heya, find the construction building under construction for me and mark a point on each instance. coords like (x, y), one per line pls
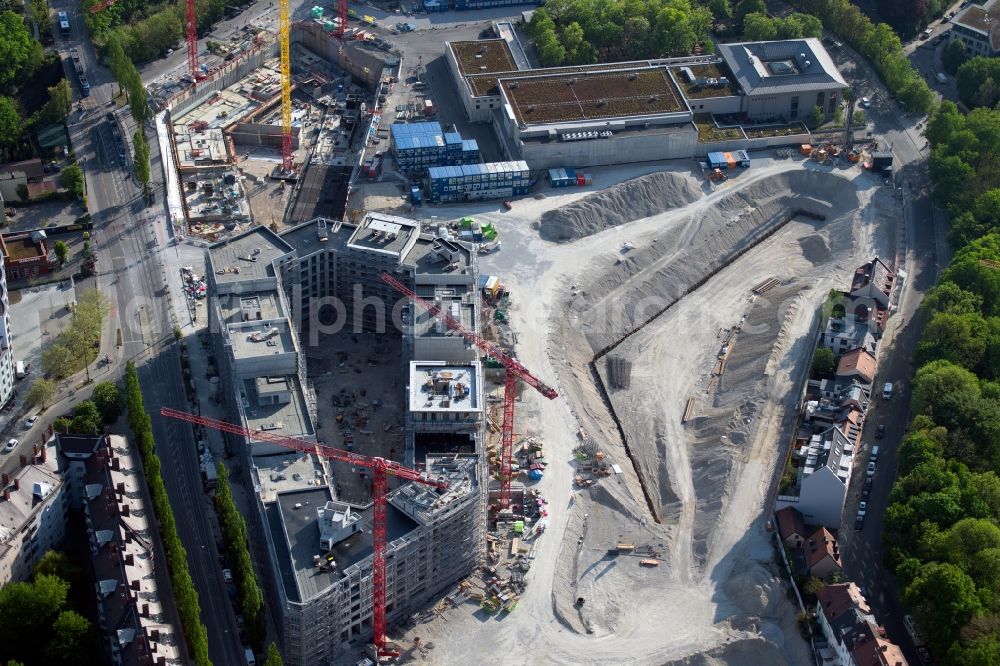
(231, 124)
(267, 296)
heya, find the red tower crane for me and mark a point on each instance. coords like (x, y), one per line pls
(382, 469)
(191, 30)
(342, 15)
(515, 371)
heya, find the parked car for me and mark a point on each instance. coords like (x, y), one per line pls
(868, 484)
(11, 445)
(887, 391)
(871, 469)
(880, 432)
(874, 456)
(865, 102)
(30, 421)
(227, 575)
(859, 522)
(941, 77)
(863, 508)
(864, 494)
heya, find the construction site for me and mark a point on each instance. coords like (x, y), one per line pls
(679, 315)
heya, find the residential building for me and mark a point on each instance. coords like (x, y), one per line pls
(134, 618)
(791, 527)
(843, 334)
(25, 256)
(32, 512)
(978, 26)
(857, 364)
(477, 182)
(871, 292)
(822, 554)
(319, 569)
(824, 459)
(15, 177)
(851, 635)
(6, 351)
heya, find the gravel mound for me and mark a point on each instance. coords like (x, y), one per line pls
(632, 200)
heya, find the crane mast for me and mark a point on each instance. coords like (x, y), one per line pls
(382, 469)
(515, 370)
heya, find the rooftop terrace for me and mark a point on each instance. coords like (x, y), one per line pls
(692, 90)
(294, 527)
(386, 234)
(483, 56)
(251, 341)
(439, 387)
(247, 256)
(609, 94)
(290, 417)
(23, 248)
(489, 83)
(288, 471)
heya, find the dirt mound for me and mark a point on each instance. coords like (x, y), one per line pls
(632, 200)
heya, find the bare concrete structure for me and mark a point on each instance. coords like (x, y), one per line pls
(271, 295)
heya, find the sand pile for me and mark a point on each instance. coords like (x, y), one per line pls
(632, 200)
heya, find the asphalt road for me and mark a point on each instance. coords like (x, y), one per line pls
(129, 239)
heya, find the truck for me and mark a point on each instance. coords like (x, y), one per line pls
(74, 54)
(429, 109)
(64, 29)
(19, 370)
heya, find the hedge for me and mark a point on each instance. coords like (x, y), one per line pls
(184, 593)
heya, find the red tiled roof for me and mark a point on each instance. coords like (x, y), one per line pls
(790, 523)
(857, 361)
(820, 545)
(878, 652)
(835, 600)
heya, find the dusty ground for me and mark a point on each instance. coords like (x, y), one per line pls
(717, 597)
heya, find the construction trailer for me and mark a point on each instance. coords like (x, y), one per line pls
(729, 160)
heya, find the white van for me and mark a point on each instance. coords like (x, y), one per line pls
(887, 391)
(251, 659)
(874, 456)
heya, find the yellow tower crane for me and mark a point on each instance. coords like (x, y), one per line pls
(286, 87)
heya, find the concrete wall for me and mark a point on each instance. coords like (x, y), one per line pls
(706, 147)
(718, 105)
(227, 75)
(364, 65)
(674, 143)
(259, 134)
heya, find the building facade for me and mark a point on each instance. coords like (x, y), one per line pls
(6, 348)
(32, 512)
(25, 256)
(319, 546)
(978, 26)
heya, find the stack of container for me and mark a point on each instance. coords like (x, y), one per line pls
(562, 177)
(728, 160)
(476, 182)
(417, 146)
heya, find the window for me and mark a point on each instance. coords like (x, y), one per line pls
(820, 99)
(794, 112)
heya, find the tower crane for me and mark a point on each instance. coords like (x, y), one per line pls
(382, 469)
(515, 371)
(286, 86)
(191, 31)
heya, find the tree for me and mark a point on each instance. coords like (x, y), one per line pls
(86, 418)
(109, 400)
(944, 598)
(273, 656)
(954, 55)
(57, 109)
(823, 362)
(943, 390)
(815, 117)
(19, 52)
(959, 338)
(41, 393)
(759, 27)
(61, 250)
(858, 119)
(69, 641)
(57, 360)
(721, 9)
(10, 123)
(949, 297)
(27, 613)
(72, 179)
(63, 425)
(141, 156)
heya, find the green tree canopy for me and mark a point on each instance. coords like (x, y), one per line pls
(109, 401)
(954, 601)
(10, 122)
(41, 393)
(823, 362)
(86, 418)
(958, 338)
(942, 390)
(72, 179)
(954, 55)
(273, 656)
(19, 52)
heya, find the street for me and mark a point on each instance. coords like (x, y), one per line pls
(130, 239)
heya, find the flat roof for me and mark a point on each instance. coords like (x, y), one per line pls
(22, 248)
(982, 20)
(386, 234)
(431, 256)
(693, 90)
(440, 387)
(305, 238)
(458, 471)
(250, 253)
(295, 531)
(452, 300)
(245, 307)
(251, 340)
(483, 85)
(788, 66)
(288, 471)
(288, 418)
(588, 96)
(483, 56)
